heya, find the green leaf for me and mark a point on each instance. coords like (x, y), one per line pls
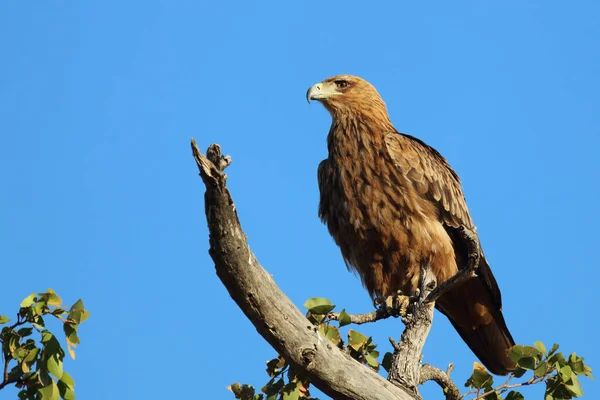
(53, 298)
(356, 339)
(31, 355)
(67, 380)
(322, 309)
(38, 322)
(40, 307)
(344, 318)
(565, 373)
(557, 389)
(316, 302)
(55, 366)
(493, 395)
(386, 363)
(77, 312)
(372, 359)
(331, 332)
(553, 349)
(314, 318)
(273, 387)
(241, 391)
(50, 392)
(51, 344)
(13, 343)
(558, 360)
(66, 391)
(526, 363)
(291, 392)
(541, 369)
(519, 372)
(578, 367)
(24, 332)
(275, 366)
(480, 378)
(541, 347)
(514, 395)
(235, 388)
(575, 387)
(29, 300)
(518, 351)
(4, 319)
(29, 359)
(71, 333)
(59, 312)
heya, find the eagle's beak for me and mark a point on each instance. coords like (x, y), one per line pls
(321, 91)
(313, 92)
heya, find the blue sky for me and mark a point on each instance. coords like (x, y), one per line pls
(101, 198)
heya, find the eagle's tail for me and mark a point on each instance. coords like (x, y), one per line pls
(480, 323)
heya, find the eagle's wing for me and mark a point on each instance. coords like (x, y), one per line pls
(431, 177)
(434, 179)
(474, 306)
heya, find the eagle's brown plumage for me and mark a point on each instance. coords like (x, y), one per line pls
(393, 204)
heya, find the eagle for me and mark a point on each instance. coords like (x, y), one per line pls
(394, 205)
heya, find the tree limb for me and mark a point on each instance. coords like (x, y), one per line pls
(359, 319)
(430, 373)
(272, 313)
(405, 367)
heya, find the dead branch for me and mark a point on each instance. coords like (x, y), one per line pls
(406, 359)
(273, 314)
(430, 373)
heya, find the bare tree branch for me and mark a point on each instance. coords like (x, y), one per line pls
(430, 373)
(359, 319)
(275, 317)
(406, 360)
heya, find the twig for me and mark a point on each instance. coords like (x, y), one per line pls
(505, 386)
(359, 319)
(430, 373)
(5, 375)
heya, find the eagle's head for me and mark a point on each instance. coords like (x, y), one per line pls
(348, 95)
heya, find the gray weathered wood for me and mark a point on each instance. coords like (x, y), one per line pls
(273, 314)
(406, 360)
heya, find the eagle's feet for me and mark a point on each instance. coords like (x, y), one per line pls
(395, 305)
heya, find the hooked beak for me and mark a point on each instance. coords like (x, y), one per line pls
(313, 92)
(321, 91)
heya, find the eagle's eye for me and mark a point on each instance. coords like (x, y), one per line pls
(341, 84)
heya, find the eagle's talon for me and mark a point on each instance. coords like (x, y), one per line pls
(395, 305)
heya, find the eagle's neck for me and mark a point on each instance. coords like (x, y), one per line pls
(350, 135)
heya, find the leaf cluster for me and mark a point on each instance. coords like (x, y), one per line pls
(358, 346)
(287, 384)
(559, 373)
(36, 366)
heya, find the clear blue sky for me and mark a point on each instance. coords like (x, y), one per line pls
(101, 198)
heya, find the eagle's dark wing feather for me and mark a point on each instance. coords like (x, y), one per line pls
(436, 181)
(474, 308)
